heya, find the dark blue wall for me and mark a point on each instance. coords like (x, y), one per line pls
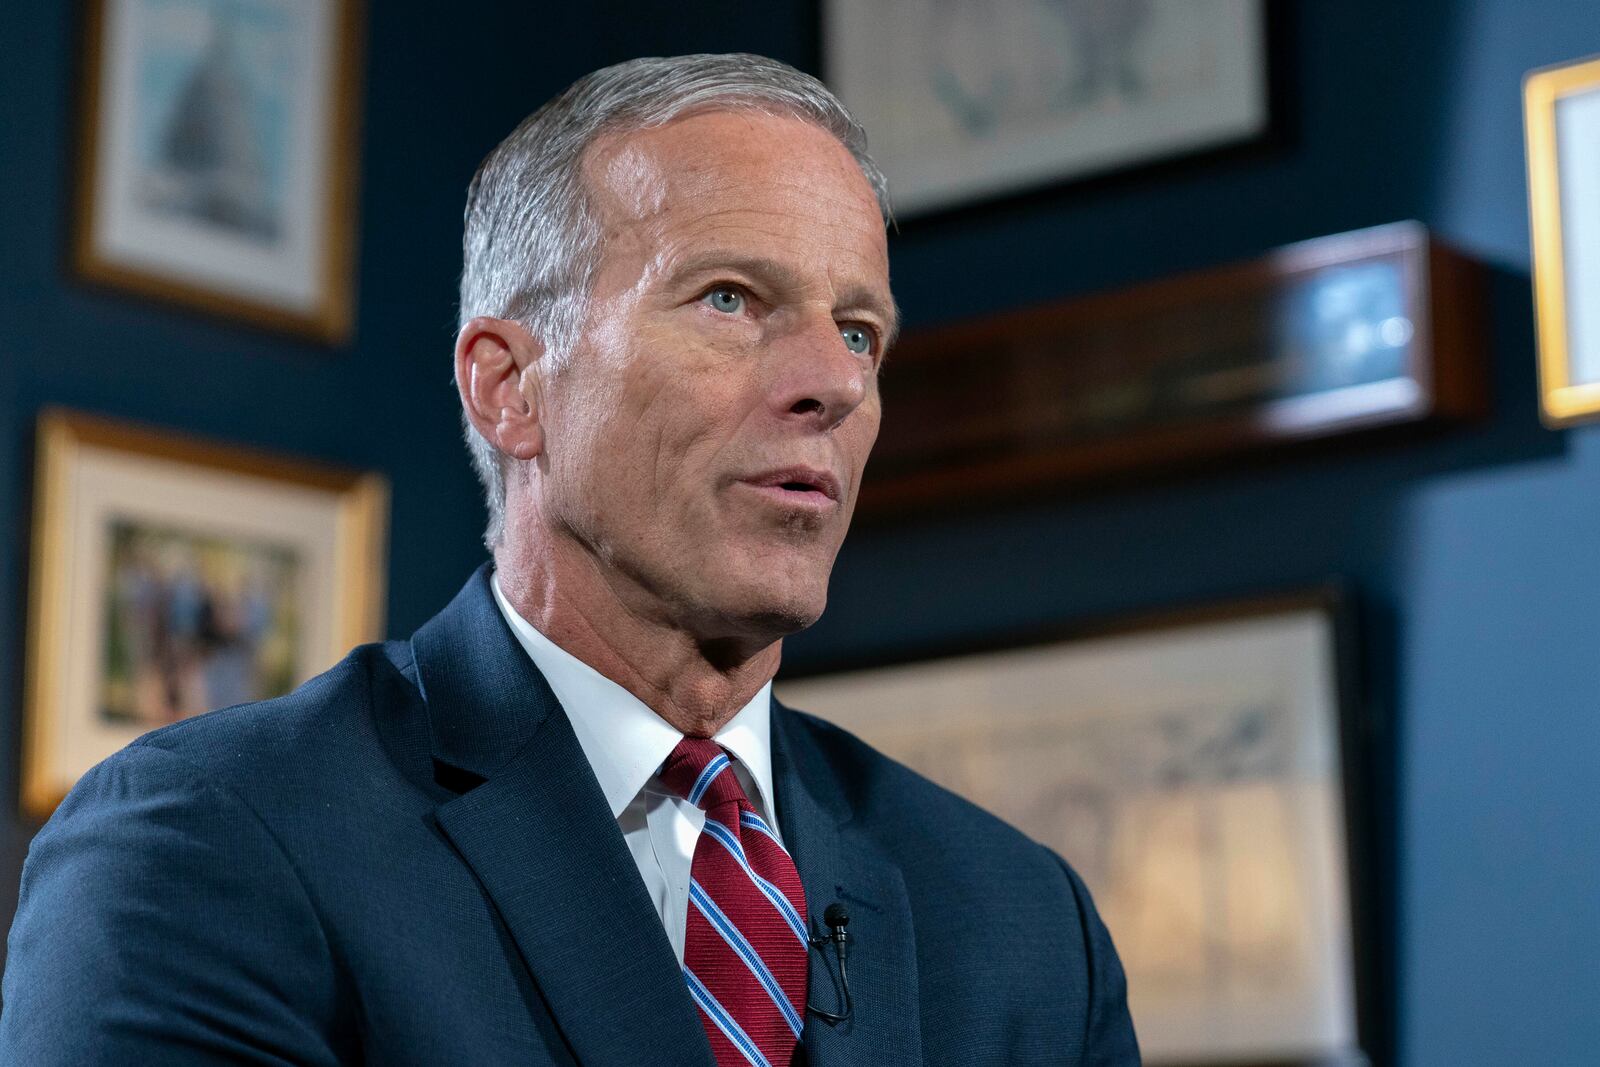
(1476, 555)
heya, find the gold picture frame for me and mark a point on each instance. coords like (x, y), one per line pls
(1557, 102)
(171, 575)
(218, 158)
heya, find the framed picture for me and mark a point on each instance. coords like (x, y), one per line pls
(1198, 771)
(172, 576)
(1352, 333)
(965, 99)
(217, 157)
(1562, 116)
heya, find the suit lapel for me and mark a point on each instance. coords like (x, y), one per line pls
(837, 863)
(540, 838)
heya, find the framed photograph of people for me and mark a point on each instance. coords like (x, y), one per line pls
(1562, 118)
(1198, 771)
(172, 576)
(969, 100)
(217, 158)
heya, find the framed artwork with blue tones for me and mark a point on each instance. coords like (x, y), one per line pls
(172, 576)
(217, 157)
(1562, 120)
(967, 99)
(1203, 771)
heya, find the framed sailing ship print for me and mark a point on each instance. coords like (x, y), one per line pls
(217, 157)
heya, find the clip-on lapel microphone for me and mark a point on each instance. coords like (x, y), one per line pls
(835, 917)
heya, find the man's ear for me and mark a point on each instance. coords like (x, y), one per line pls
(498, 373)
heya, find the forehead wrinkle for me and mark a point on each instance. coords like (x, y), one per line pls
(728, 232)
(800, 219)
(706, 185)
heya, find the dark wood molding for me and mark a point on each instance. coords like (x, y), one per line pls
(1183, 372)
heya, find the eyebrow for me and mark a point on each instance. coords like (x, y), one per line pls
(781, 276)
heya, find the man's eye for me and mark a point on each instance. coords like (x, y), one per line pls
(857, 339)
(725, 298)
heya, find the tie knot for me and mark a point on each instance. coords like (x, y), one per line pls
(701, 772)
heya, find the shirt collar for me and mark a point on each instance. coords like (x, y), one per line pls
(624, 740)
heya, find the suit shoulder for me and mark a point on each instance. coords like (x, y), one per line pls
(329, 714)
(903, 806)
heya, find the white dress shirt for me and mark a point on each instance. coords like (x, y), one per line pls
(626, 743)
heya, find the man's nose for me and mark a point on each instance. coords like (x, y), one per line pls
(816, 379)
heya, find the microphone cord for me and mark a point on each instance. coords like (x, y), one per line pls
(836, 917)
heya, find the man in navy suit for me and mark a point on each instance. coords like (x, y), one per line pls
(516, 837)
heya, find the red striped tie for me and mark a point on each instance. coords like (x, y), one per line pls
(745, 948)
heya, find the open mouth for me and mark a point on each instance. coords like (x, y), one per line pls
(798, 486)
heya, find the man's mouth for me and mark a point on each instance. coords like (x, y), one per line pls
(797, 486)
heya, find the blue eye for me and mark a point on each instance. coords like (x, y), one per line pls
(857, 339)
(726, 299)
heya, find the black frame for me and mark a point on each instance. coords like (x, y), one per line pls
(1277, 133)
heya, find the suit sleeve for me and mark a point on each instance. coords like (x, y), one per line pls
(160, 922)
(1109, 1040)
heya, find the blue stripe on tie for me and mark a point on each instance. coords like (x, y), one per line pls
(772, 892)
(752, 820)
(719, 1015)
(745, 951)
(707, 776)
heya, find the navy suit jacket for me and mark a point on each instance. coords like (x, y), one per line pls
(409, 861)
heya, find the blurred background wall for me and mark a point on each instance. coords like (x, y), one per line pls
(1475, 554)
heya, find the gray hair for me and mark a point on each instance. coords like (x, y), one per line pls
(532, 242)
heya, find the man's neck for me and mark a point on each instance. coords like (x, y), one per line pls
(695, 685)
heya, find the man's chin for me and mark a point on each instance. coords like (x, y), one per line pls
(770, 612)
(766, 589)
(784, 620)
(732, 634)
